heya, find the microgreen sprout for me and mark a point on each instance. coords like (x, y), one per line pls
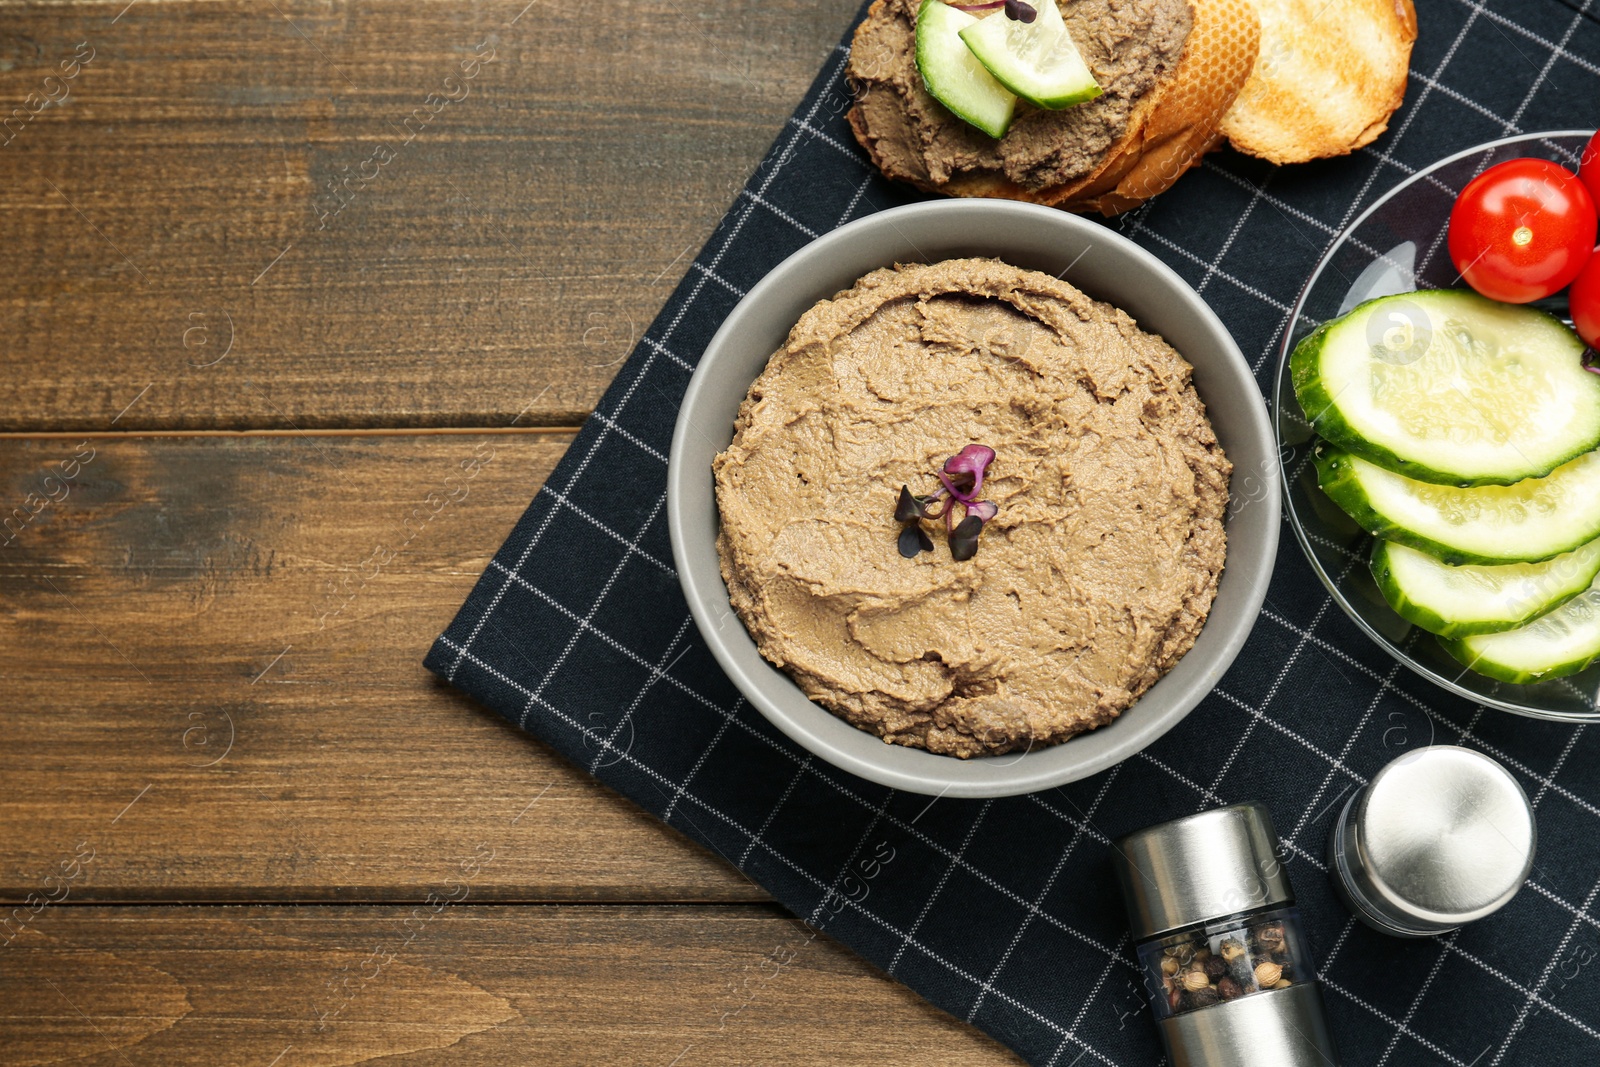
(1018, 11)
(960, 481)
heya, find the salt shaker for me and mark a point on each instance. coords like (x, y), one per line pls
(1439, 838)
(1232, 982)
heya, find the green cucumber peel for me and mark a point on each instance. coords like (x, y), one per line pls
(1500, 390)
(1469, 600)
(1531, 521)
(1037, 60)
(953, 75)
(1555, 645)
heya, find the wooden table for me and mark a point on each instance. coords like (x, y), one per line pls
(275, 270)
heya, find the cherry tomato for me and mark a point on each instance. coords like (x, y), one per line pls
(1585, 302)
(1589, 169)
(1522, 230)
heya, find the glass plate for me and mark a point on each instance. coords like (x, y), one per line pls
(1398, 246)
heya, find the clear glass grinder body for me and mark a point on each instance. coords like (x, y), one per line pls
(1216, 962)
(1231, 978)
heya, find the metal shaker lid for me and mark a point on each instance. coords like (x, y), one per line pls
(1207, 866)
(1438, 838)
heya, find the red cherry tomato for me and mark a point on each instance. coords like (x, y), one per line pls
(1589, 169)
(1585, 302)
(1522, 230)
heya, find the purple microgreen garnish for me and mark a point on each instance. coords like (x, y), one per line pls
(984, 510)
(964, 538)
(950, 487)
(972, 461)
(960, 479)
(1591, 361)
(907, 509)
(913, 540)
(1018, 11)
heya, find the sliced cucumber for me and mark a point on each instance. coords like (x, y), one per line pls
(1552, 646)
(1475, 599)
(1533, 520)
(1445, 386)
(1036, 60)
(953, 74)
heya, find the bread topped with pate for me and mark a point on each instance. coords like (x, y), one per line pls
(1176, 79)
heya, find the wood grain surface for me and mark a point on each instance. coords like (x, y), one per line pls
(541, 175)
(457, 983)
(206, 617)
(239, 823)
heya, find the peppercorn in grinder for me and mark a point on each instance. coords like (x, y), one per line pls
(1230, 977)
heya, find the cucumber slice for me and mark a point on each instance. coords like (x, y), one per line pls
(1036, 60)
(1523, 523)
(1445, 386)
(1462, 601)
(1552, 646)
(953, 74)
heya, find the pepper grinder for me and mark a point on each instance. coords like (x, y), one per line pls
(1231, 980)
(1439, 838)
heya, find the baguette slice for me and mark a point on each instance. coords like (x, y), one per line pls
(1329, 77)
(1185, 123)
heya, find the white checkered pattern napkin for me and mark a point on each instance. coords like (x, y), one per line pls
(1005, 912)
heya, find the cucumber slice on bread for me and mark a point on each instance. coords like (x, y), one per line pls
(953, 74)
(1524, 523)
(1036, 60)
(1476, 599)
(1445, 386)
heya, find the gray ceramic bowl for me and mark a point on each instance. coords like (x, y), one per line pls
(1103, 264)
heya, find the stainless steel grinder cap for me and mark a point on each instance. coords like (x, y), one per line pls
(1439, 838)
(1207, 866)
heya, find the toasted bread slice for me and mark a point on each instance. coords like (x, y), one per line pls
(1329, 77)
(1183, 126)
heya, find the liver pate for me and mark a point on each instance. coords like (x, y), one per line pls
(1130, 45)
(1091, 582)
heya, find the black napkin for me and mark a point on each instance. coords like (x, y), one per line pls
(1005, 912)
